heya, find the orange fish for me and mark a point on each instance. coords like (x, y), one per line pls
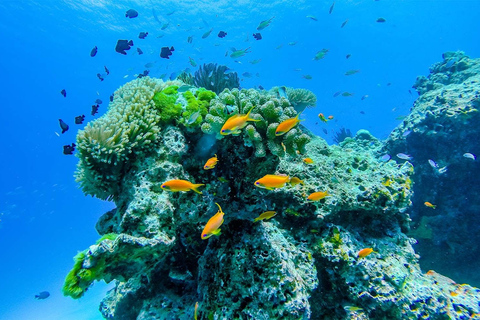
(265, 216)
(196, 310)
(365, 252)
(272, 181)
(180, 185)
(428, 204)
(308, 160)
(318, 196)
(210, 164)
(213, 225)
(287, 125)
(235, 123)
(330, 117)
(294, 181)
(453, 293)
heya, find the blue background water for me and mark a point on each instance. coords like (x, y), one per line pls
(44, 217)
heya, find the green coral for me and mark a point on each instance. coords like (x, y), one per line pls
(79, 279)
(268, 109)
(165, 101)
(196, 103)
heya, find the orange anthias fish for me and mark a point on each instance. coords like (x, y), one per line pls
(181, 185)
(318, 195)
(287, 125)
(272, 181)
(196, 310)
(265, 216)
(211, 163)
(428, 204)
(213, 225)
(365, 252)
(322, 117)
(294, 181)
(308, 160)
(235, 123)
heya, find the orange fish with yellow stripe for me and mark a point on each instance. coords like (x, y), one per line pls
(211, 163)
(213, 225)
(316, 196)
(272, 181)
(235, 123)
(181, 185)
(365, 252)
(287, 125)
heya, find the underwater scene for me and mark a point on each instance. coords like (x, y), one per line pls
(240, 159)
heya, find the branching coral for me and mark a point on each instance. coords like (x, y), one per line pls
(268, 109)
(213, 77)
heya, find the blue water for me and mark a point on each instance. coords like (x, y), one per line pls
(44, 217)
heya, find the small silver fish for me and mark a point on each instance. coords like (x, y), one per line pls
(432, 163)
(470, 156)
(385, 157)
(442, 170)
(193, 117)
(406, 133)
(404, 156)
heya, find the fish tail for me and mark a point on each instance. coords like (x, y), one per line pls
(248, 115)
(195, 186)
(219, 208)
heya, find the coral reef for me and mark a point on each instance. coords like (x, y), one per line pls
(301, 264)
(442, 127)
(214, 77)
(342, 134)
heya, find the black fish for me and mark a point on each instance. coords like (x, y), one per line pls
(93, 53)
(106, 70)
(257, 36)
(325, 131)
(44, 294)
(344, 23)
(68, 149)
(63, 125)
(95, 109)
(143, 35)
(222, 34)
(144, 74)
(64, 93)
(98, 101)
(99, 76)
(166, 52)
(261, 87)
(131, 13)
(111, 97)
(348, 56)
(381, 20)
(123, 45)
(331, 7)
(139, 51)
(79, 119)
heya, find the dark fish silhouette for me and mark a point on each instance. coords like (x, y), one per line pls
(68, 149)
(111, 97)
(63, 125)
(190, 39)
(166, 52)
(98, 101)
(123, 45)
(139, 51)
(260, 87)
(257, 36)
(331, 7)
(106, 70)
(131, 13)
(93, 53)
(95, 109)
(64, 93)
(144, 74)
(79, 119)
(222, 34)
(348, 56)
(44, 294)
(381, 20)
(99, 76)
(344, 23)
(143, 35)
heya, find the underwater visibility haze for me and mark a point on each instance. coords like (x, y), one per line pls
(240, 159)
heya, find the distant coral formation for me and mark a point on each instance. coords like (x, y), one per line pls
(215, 78)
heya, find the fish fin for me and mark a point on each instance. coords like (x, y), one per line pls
(216, 232)
(195, 186)
(256, 219)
